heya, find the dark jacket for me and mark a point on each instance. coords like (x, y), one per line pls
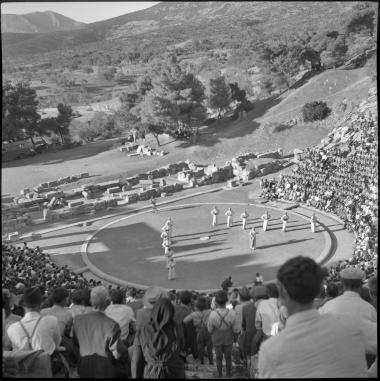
(146, 364)
(248, 327)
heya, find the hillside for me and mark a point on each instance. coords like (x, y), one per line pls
(216, 144)
(169, 23)
(38, 22)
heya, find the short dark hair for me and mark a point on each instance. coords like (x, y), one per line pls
(185, 297)
(77, 297)
(354, 284)
(272, 290)
(221, 297)
(201, 303)
(117, 296)
(302, 279)
(59, 295)
(332, 290)
(86, 295)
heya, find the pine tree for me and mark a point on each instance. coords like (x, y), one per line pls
(220, 95)
(20, 117)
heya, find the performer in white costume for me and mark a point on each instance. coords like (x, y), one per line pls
(171, 267)
(252, 238)
(284, 219)
(265, 217)
(229, 215)
(244, 217)
(214, 214)
(313, 220)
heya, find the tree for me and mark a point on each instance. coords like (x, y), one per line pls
(175, 103)
(220, 94)
(315, 111)
(362, 20)
(20, 117)
(64, 118)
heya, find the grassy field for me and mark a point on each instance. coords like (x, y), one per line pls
(217, 144)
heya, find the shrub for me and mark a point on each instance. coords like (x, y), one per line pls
(315, 111)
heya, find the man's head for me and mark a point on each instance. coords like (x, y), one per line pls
(77, 297)
(201, 303)
(352, 279)
(244, 295)
(272, 290)
(300, 281)
(99, 298)
(117, 296)
(332, 290)
(32, 298)
(221, 298)
(59, 296)
(185, 297)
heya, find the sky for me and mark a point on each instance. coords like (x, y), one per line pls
(86, 12)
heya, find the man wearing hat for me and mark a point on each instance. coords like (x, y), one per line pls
(152, 294)
(350, 302)
(34, 331)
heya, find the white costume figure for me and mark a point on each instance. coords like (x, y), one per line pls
(166, 246)
(164, 235)
(171, 267)
(244, 217)
(252, 238)
(265, 217)
(168, 256)
(284, 220)
(166, 229)
(229, 215)
(154, 206)
(169, 224)
(214, 214)
(313, 220)
(85, 195)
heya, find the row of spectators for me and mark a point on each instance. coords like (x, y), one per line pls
(343, 182)
(300, 326)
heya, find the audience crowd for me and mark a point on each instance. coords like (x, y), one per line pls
(342, 179)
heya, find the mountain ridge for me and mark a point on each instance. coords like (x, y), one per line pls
(177, 19)
(38, 22)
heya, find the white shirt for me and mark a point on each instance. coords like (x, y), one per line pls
(352, 304)
(314, 346)
(123, 315)
(46, 337)
(267, 314)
